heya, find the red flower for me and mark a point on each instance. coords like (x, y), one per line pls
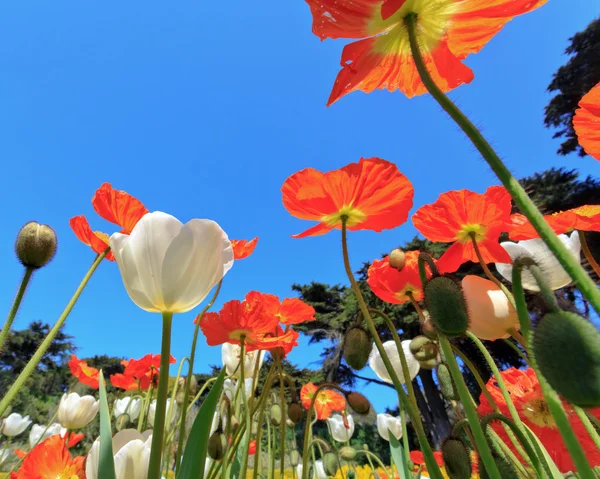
(51, 460)
(139, 373)
(286, 340)
(448, 32)
(372, 194)
(327, 401)
(525, 391)
(289, 311)
(586, 122)
(394, 286)
(583, 218)
(252, 448)
(456, 215)
(84, 373)
(128, 383)
(243, 248)
(96, 240)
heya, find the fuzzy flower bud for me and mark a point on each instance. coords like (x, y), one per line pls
(397, 259)
(457, 459)
(357, 347)
(447, 306)
(35, 245)
(359, 403)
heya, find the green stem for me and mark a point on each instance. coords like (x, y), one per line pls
(589, 427)
(248, 420)
(283, 420)
(43, 348)
(482, 446)
(161, 399)
(585, 284)
(188, 379)
(374, 456)
(15, 306)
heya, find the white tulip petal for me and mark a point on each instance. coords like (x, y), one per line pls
(377, 365)
(338, 428)
(386, 423)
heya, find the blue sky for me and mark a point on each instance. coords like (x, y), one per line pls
(202, 112)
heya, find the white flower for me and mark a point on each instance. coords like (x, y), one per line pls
(536, 249)
(230, 389)
(131, 451)
(120, 407)
(387, 422)
(38, 433)
(14, 424)
(378, 367)
(152, 411)
(230, 354)
(75, 411)
(318, 470)
(341, 431)
(167, 266)
(4, 455)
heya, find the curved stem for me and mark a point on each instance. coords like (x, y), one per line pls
(283, 419)
(161, 399)
(374, 456)
(39, 354)
(585, 284)
(588, 254)
(589, 427)
(15, 306)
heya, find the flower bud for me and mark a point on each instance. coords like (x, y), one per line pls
(277, 353)
(35, 245)
(350, 474)
(567, 351)
(507, 471)
(234, 424)
(295, 412)
(457, 459)
(447, 387)
(122, 422)
(217, 445)
(330, 463)
(276, 414)
(181, 389)
(447, 306)
(423, 348)
(289, 423)
(294, 457)
(357, 347)
(397, 259)
(348, 453)
(359, 403)
(430, 363)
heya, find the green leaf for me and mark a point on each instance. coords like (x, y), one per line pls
(194, 456)
(106, 467)
(545, 459)
(398, 457)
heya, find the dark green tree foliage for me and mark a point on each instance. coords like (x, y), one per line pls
(572, 81)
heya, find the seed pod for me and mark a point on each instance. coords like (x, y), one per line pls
(36, 245)
(122, 422)
(294, 457)
(423, 348)
(357, 347)
(359, 403)
(330, 463)
(447, 306)
(276, 414)
(447, 387)
(217, 445)
(430, 363)
(457, 459)
(295, 412)
(507, 471)
(567, 350)
(348, 453)
(397, 259)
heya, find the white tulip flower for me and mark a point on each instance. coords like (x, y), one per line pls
(4, 455)
(39, 432)
(120, 407)
(152, 411)
(537, 250)
(131, 451)
(341, 430)
(168, 266)
(386, 423)
(14, 424)
(230, 389)
(318, 470)
(230, 354)
(76, 412)
(378, 367)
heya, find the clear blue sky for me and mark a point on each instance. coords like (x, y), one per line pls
(201, 110)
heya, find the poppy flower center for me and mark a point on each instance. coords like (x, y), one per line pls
(239, 334)
(588, 210)
(538, 413)
(102, 236)
(468, 230)
(409, 288)
(353, 216)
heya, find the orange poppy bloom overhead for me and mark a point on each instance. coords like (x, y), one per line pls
(96, 240)
(243, 248)
(128, 383)
(372, 194)
(139, 373)
(289, 311)
(459, 216)
(586, 122)
(286, 340)
(583, 218)
(51, 459)
(449, 30)
(84, 373)
(395, 286)
(327, 402)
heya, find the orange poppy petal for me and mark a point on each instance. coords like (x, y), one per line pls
(51, 459)
(393, 286)
(586, 122)
(97, 241)
(460, 253)
(84, 373)
(121, 381)
(243, 248)
(295, 311)
(118, 207)
(334, 19)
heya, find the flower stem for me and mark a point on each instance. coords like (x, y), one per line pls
(15, 306)
(161, 399)
(283, 420)
(39, 354)
(588, 254)
(522, 200)
(248, 419)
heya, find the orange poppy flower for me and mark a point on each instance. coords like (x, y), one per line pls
(449, 31)
(586, 122)
(327, 402)
(583, 218)
(394, 286)
(285, 341)
(96, 240)
(456, 215)
(139, 373)
(526, 394)
(372, 194)
(85, 374)
(289, 311)
(121, 381)
(51, 460)
(252, 448)
(243, 248)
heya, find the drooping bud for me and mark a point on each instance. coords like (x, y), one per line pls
(294, 457)
(217, 445)
(289, 423)
(457, 459)
(423, 348)
(350, 474)
(348, 453)
(506, 469)
(277, 353)
(447, 387)
(430, 363)
(181, 389)
(122, 422)
(359, 403)
(35, 245)
(567, 350)
(295, 412)
(428, 327)
(234, 424)
(330, 463)
(397, 259)
(447, 306)
(357, 347)
(276, 414)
